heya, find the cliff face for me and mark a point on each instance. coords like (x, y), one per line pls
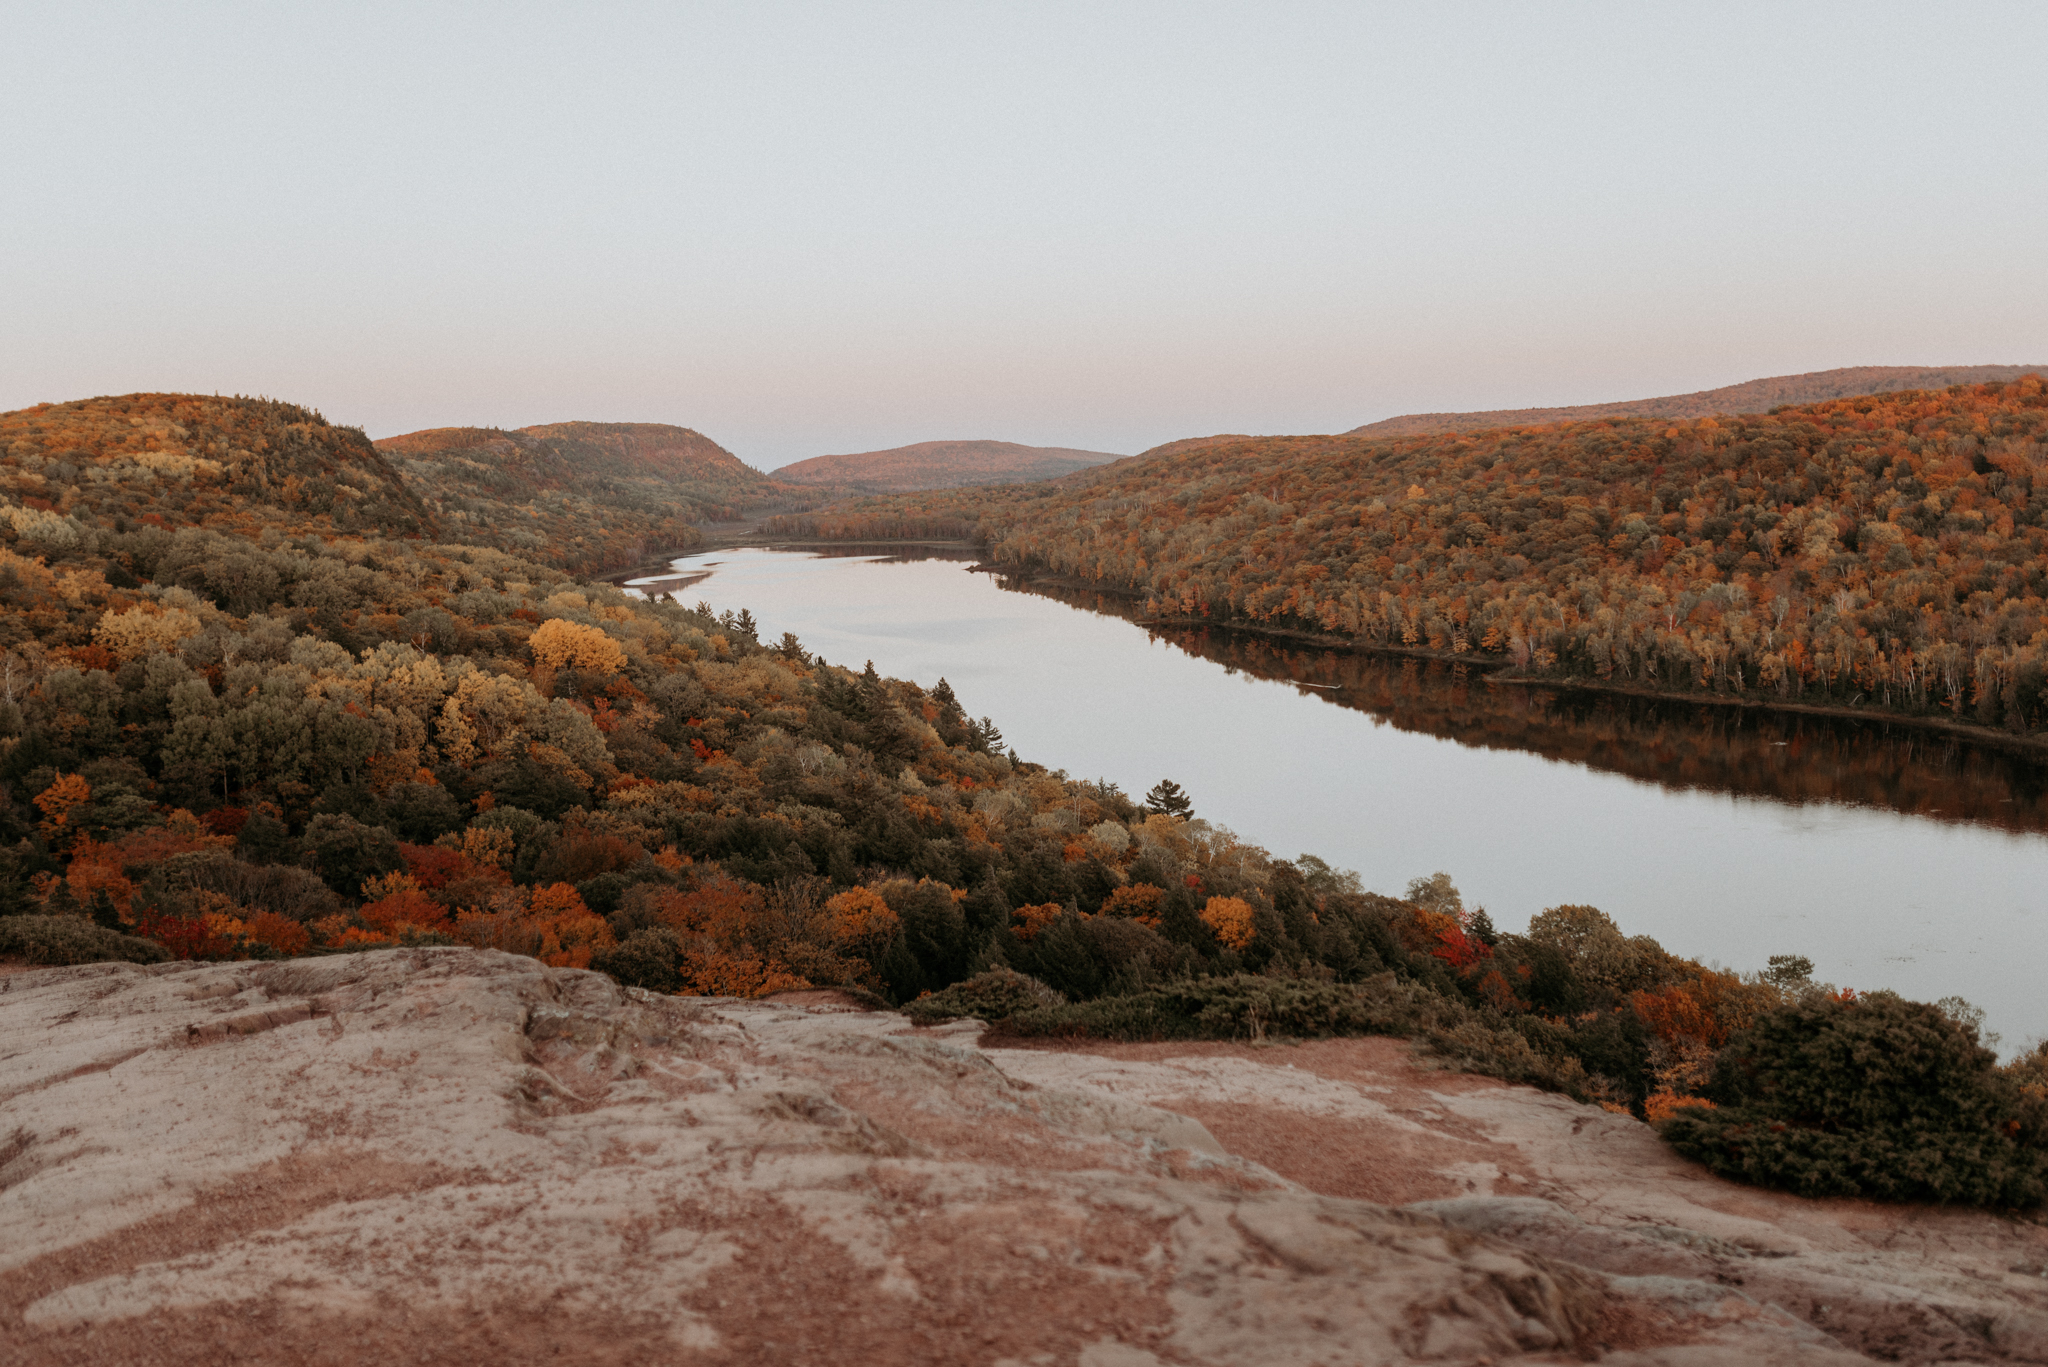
(454, 1156)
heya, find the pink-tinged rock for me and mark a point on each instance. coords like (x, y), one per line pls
(447, 1156)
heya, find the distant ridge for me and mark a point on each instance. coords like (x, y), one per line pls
(943, 465)
(619, 450)
(588, 496)
(1752, 396)
(1174, 448)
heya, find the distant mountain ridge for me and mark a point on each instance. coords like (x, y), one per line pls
(1752, 396)
(943, 465)
(1174, 448)
(617, 450)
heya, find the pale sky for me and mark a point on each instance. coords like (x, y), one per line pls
(819, 228)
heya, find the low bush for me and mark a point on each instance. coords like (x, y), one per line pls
(1876, 1097)
(646, 958)
(1250, 1007)
(73, 940)
(998, 994)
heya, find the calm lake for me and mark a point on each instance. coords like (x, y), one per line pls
(1890, 856)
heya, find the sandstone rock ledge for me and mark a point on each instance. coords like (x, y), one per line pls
(445, 1156)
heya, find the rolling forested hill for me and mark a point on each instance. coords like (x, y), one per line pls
(162, 460)
(585, 496)
(1752, 396)
(254, 705)
(1885, 551)
(942, 465)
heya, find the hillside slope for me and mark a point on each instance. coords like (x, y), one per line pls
(1174, 448)
(942, 465)
(1752, 396)
(237, 465)
(586, 496)
(1887, 551)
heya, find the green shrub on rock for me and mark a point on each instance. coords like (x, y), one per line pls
(992, 996)
(646, 958)
(1248, 1006)
(1874, 1096)
(57, 940)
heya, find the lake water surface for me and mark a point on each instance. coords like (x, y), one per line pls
(1891, 858)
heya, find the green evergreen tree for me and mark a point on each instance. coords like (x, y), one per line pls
(1167, 799)
(15, 899)
(61, 902)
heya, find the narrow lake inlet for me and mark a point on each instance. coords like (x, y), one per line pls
(1891, 856)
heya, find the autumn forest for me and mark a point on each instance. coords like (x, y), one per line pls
(1882, 552)
(268, 690)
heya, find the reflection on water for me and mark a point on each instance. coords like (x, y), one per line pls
(1787, 757)
(1893, 857)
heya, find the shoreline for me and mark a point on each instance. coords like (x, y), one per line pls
(736, 542)
(1502, 673)
(1492, 671)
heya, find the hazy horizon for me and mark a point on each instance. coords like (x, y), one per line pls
(810, 229)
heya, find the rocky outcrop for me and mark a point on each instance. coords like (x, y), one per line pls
(451, 1156)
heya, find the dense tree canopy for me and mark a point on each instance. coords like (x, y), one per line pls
(1884, 551)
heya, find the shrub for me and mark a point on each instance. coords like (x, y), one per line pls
(646, 958)
(72, 940)
(991, 996)
(349, 853)
(1208, 1008)
(1876, 1097)
(1247, 1006)
(1089, 956)
(285, 889)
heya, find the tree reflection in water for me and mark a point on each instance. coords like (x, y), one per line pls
(1784, 756)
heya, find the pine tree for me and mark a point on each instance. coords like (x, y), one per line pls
(60, 902)
(1167, 799)
(14, 893)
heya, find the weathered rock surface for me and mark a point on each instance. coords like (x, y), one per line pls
(450, 1156)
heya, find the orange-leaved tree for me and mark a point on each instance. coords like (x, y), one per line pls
(394, 906)
(58, 801)
(551, 924)
(860, 920)
(1028, 921)
(1232, 920)
(1141, 902)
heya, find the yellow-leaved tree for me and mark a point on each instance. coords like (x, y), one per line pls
(143, 631)
(558, 643)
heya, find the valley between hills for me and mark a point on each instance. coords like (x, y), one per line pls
(498, 909)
